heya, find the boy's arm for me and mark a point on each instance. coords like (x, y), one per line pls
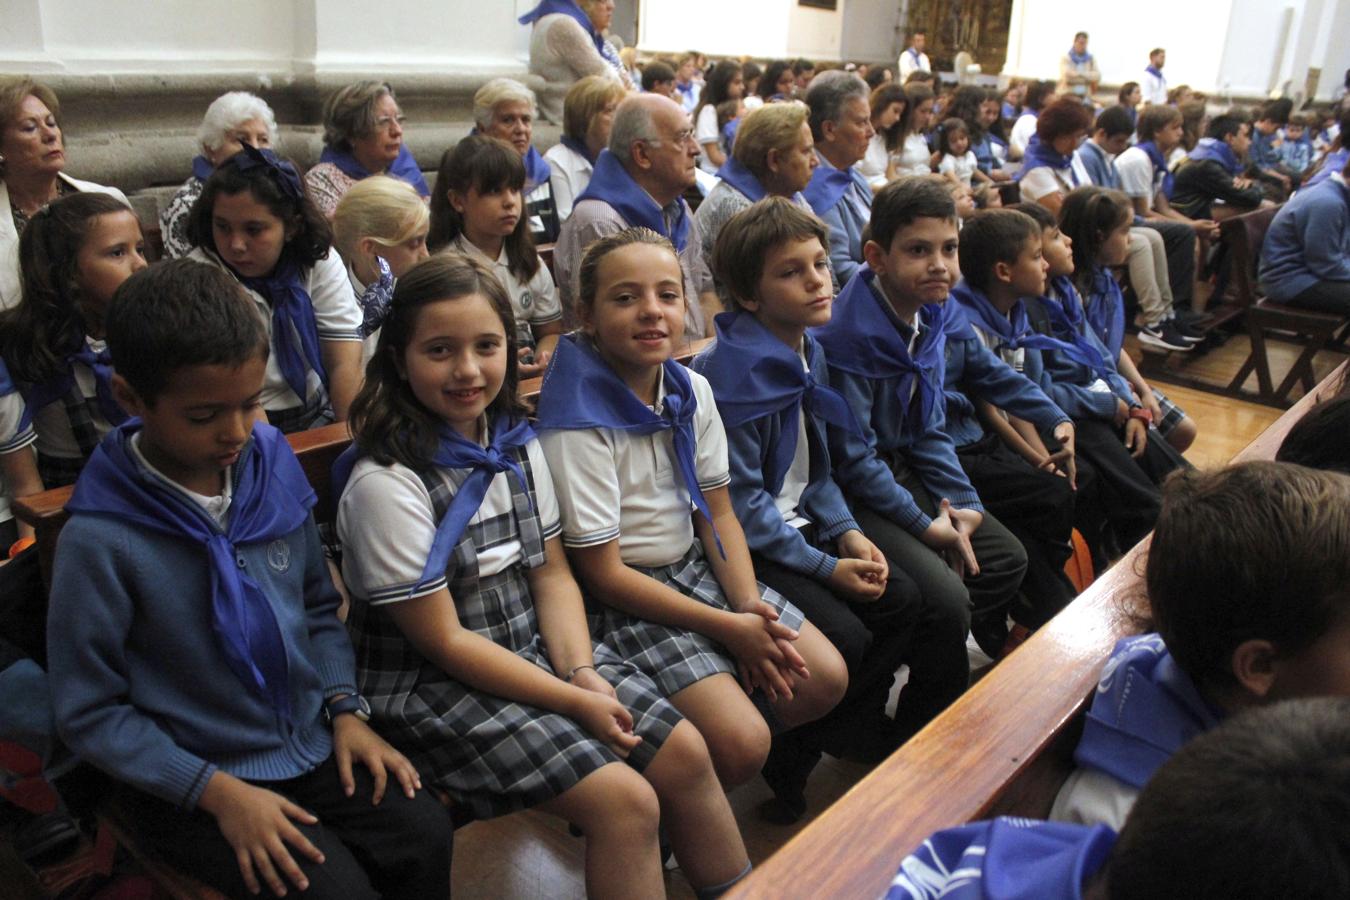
(994, 380)
(333, 656)
(1015, 438)
(1323, 239)
(933, 456)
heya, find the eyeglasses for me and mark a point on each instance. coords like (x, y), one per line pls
(683, 136)
(383, 122)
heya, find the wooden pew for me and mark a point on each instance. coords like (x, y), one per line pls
(1004, 748)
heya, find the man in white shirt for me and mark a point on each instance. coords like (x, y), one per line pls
(914, 59)
(1153, 84)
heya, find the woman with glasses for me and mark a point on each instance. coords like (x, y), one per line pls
(362, 136)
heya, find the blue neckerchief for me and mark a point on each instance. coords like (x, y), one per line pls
(37, 396)
(271, 499)
(1220, 152)
(580, 390)
(1040, 154)
(577, 147)
(754, 375)
(454, 451)
(611, 183)
(1077, 59)
(375, 299)
(1004, 859)
(1105, 308)
(1068, 324)
(915, 55)
(1144, 710)
(862, 339)
(295, 331)
(826, 188)
(1159, 164)
(404, 167)
(567, 8)
(686, 89)
(202, 168)
(729, 134)
(742, 179)
(1155, 72)
(1333, 162)
(1014, 331)
(1008, 111)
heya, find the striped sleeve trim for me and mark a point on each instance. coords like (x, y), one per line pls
(546, 320)
(591, 539)
(553, 530)
(334, 335)
(720, 481)
(20, 440)
(396, 593)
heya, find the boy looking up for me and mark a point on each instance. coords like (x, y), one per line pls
(201, 661)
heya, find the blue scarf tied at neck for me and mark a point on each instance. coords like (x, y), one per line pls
(826, 188)
(611, 183)
(580, 390)
(755, 375)
(295, 331)
(1218, 151)
(1014, 331)
(404, 167)
(100, 364)
(202, 168)
(742, 179)
(570, 9)
(271, 499)
(1039, 153)
(1105, 308)
(1159, 165)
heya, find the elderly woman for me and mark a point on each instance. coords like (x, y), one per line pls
(588, 115)
(231, 121)
(32, 157)
(568, 43)
(773, 155)
(505, 109)
(362, 136)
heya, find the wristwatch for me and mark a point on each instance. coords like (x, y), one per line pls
(1142, 412)
(350, 703)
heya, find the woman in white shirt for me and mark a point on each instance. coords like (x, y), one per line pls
(916, 157)
(588, 115)
(888, 103)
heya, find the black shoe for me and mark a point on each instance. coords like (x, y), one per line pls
(785, 772)
(1188, 331)
(1164, 336)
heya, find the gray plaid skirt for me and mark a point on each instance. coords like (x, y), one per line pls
(315, 413)
(492, 754)
(673, 657)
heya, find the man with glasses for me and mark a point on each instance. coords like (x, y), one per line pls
(640, 180)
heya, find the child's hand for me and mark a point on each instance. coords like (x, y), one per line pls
(951, 540)
(1136, 437)
(607, 720)
(756, 639)
(858, 579)
(1122, 413)
(1150, 403)
(1064, 459)
(853, 544)
(257, 824)
(355, 740)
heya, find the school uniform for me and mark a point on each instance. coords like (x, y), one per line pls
(1004, 858)
(633, 473)
(1023, 130)
(300, 308)
(1305, 260)
(72, 412)
(874, 162)
(201, 636)
(374, 300)
(1206, 177)
(493, 754)
(842, 199)
(15, 436)
(1038, 506)
(1153, 86)
(1145, 709)
(903, 463)
(912, 61)
(706, 131)
(915, 157)
(1045, 172)
(963, 166)
(1143, 174)
(534, 303)
(776, 406)
(571, 166)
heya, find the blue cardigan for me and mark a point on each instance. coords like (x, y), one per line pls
(975, 371)
(766, 531)
(1066, 381)
(1308, 242)
(846, 222)
(140, 686)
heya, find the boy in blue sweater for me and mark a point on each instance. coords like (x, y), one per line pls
(1305, 260)
(886, 343)
(199, 659)
(772, 388)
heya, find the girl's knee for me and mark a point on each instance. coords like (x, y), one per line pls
(682, 763)
(738, 747)
(628, 803)
(1183, 435)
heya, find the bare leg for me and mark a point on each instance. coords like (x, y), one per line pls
(736, 734)
(815, 696)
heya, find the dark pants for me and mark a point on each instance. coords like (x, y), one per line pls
(1038, 507)
(399, 849)
(989, 595)
(1325, 296)
(1179, 243)
(1128, 487)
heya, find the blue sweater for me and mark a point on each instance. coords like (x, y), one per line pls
(140, 686)
(1101, 168)
(766, 531)
(1067, 382)
(1308, 242)
(1263, 152)
(862, 463)
(975, 371)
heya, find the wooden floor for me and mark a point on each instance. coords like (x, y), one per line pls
(531, 855)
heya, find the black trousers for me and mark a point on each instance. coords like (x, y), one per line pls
(1038, 507)
(1127, 487)
(1325, 296)
(1179, 243)
(399, 849)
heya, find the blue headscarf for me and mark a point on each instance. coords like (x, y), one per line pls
(1013, 330)
(1105, 308)
(611, 183)
(1039, 154)
(863, 340)
(580, 390)
(1220, 152)
(454, 451)
(404, 167)
(755, 375)
(1159, 164)
(271, 499)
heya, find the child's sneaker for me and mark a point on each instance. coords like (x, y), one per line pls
(1164, 336)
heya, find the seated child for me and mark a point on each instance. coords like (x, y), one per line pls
(254, 220)
(639, 457)
(476, 210)
(1246, 580)
(1252, 810)
(470, 635)
(18, 467)
(886, 341)
(201, 661)
(1213, 172)
(993, 367)
(772, 386)
(1111, 422)
(958, 160)
(380, 228)
(73, 255)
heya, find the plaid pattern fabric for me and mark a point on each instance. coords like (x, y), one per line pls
(59, 471)
(492, 754)
(315, 413)
(1171, 413)
(673, 657)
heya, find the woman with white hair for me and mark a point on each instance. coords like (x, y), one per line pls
(232, 120)
(568, 43)
(505, 109)
(362, 136)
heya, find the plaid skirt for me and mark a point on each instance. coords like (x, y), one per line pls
(492, 754)
(673, 657)
(315, 413)
(59, 471)
(1171, 413)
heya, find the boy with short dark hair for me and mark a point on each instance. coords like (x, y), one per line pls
(658, 77)
(1296, 153)
(200, 659)
(772, 387)
(886, 342)
(1267, 163)
(1213, 171)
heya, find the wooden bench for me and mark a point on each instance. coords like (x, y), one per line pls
(1003, 748)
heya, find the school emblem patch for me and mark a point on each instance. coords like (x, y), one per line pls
(279, 555)
(526, 299)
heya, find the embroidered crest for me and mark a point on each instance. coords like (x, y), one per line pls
(279, 555)
(526, 299)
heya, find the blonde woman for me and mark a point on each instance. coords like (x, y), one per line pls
(588, 116)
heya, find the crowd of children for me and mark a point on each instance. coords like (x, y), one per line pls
(667, 579)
